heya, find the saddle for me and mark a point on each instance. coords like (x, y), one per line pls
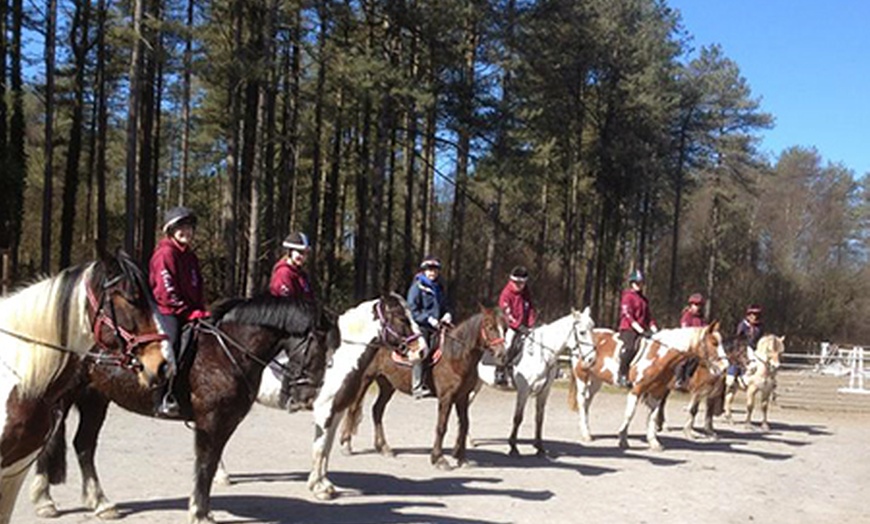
(401, 359)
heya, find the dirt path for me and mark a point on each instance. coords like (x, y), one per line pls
(811, 467)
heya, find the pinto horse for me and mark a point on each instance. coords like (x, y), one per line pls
(454, 376)
(101, 313)
(651, 372)
(761, 379)
(232, 350)
(534, 374)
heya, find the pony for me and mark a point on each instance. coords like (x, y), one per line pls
(242, 337)
(454, 376)
(538, 366)
(703, 386)
(651, 372)
(760, 378)
(99, 314)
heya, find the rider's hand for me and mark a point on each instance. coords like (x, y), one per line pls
(198, 314)
(447, 318)
(524, 330)
(647, 333)
(432, 322)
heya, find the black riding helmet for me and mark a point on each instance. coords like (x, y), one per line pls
(519, 274)
(177, 217)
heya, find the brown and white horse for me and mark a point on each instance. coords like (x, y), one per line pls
(760, 378)
(651, 372)
(47, 330)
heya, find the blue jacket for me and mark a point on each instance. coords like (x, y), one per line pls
(426, 299)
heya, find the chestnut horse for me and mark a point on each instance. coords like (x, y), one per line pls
(651, 372)
(538, 365)
(47, 330)
(454, 377)
(703, 386)
(242, 337)
(760, 378)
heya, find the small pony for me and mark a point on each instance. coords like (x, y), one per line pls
(760, 378)
(534, 374)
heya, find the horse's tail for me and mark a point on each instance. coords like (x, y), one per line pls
(52, 459)
(572, 392)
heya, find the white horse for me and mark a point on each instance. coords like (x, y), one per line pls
(534, 374)
(760, 378)
(44, 329)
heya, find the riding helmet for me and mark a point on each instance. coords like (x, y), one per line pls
(635, 276)
(696, 298)
(430, 262)
(519, 274)
(753, 309)
(178, 216)
(297, 241)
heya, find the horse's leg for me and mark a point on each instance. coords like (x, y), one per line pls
(385, 393)
(11, 479)
(751, 389)
(92, 408)
(461, 435)
(222, 476)
(540, 410)
(730, 391)
(689, 427)
(210, 440)
(50, 469)
(325, 427)
(765, 404)
(471, 397)
(353, 417)
(654, 405)
(523, 391)
(445, 403)
(660, 416)
(708, 416)
(585, 394)
(630, 407)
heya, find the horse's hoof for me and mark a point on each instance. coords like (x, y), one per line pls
(222, 478)
(47, 511)
(387, 451)
(623, 444)
(514, 453)
(656, 446)
(346, 449)
(442, 464)
(689, 434)
(202, 520)
(467, 464)
(585, 439)
(541, 453)
(107, 512)
(765, 426)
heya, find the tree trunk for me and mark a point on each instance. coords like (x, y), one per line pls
(48, 173)
(185, 101)
(133, 129)
(102, 128)
(316, 154)
(286, 211)
(330, 201)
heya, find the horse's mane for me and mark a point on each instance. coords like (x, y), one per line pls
(291, 315)
(51, 311)
(463, 337)
(765, 344)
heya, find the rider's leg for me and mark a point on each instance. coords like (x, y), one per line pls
(626, 355)
(419, 386)
(514, 346)
(165, 403)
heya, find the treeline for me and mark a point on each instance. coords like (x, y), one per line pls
(581, 139)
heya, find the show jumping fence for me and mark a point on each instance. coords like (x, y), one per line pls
(831, 379)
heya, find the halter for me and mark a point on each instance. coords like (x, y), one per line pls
(129, 342)
(489, 342)
(387, 331)
(581, 343)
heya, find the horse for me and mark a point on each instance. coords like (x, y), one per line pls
(538, 365)
(100, 313)
(760, 378)
(651, 372)
(454, 376)
(703, 386)
(386, 321)
(233, 347)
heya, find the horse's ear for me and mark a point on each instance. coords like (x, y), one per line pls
(782, 339)
(587, 311)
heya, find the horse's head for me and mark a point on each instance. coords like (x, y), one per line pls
(581, 341)
(769, 350)
(708, 347)
(492, 331)
(124, 317)
(397, 327)
(309, 358)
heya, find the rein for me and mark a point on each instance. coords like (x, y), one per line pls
(386, 330)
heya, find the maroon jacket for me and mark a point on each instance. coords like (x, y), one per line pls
(290, 281)
(690, 320)
(176, 279)
(634, 307)
(517, 306)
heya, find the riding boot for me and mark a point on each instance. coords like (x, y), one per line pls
(167, 405)
(419, 389)
(624, 363)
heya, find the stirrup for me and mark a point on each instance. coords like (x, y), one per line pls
(623, 382)
(169, 407)
(422, 393)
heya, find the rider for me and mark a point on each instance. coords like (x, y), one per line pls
(515, 301)
(748, 334)
(178, 287)
(691, 317)
(289, 279)
(635, 319)
(428, 303)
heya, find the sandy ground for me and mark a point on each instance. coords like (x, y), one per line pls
(810, 467)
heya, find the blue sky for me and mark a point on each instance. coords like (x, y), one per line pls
(808, 60)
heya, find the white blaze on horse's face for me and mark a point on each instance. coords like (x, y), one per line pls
(584, 343)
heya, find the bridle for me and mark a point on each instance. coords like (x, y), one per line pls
(386, 332)
(578, 343)
(489, 343)
(129, 342)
